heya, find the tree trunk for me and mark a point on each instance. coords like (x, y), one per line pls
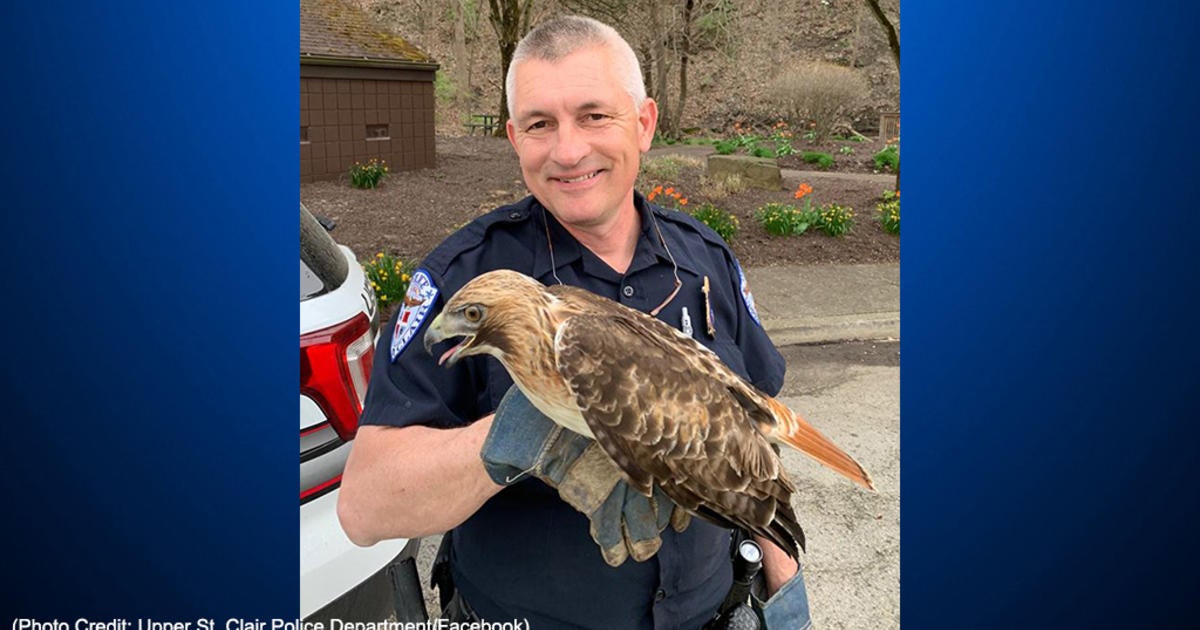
(510, 20)
(462, 67)
(661, 68)
(684, 55)
(647, 66)
(888, 29)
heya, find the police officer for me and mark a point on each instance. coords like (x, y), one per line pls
(432, 450)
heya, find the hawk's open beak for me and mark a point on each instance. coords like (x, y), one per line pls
(434, 333)
(438, 332)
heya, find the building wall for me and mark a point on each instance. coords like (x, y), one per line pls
(355, 114)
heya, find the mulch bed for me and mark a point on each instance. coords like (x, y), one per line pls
(411, 212)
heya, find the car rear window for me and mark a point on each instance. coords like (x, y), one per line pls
(323, 268)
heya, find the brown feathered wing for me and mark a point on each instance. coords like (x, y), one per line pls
(670, 413)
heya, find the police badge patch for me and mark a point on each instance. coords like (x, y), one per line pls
(417, 303)
(746, 296)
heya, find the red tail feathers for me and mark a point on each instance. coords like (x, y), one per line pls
(794, 431)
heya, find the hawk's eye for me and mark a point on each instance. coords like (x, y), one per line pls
(473, 313)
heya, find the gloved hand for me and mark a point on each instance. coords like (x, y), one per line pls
(623, 522)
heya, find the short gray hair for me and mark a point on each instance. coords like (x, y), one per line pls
(561, 36)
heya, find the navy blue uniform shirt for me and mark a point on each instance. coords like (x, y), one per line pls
(526, 554)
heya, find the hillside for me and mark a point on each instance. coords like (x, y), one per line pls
(744, 45)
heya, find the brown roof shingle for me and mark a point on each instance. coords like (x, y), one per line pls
(334, 28)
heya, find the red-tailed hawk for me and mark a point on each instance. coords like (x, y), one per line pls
(661, 405)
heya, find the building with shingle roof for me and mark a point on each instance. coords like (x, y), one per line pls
(365, 92)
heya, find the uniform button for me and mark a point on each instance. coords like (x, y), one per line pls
(627, 291)
(514, 215)
(660, 595)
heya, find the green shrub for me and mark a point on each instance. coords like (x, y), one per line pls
(823, 160)
(888, 210)
(660, 140)
(784, 219)
(744, 138)
(389, 277)
(725, 147)
(782, 137)
(368, 175)
(762, 152)
(749, 143)
(888, 158)
(834, 220)
(725, 224)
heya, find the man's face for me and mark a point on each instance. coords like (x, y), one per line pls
(578, 135)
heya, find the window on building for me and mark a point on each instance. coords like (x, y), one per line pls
(377, 132)
(303, 134)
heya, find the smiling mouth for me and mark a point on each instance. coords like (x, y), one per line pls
(450, 354)
(584, 177)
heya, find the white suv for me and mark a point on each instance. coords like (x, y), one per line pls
(338, 330)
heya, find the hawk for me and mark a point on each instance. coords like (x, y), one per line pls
(662, 406)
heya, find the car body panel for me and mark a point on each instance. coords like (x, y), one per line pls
(331, 565)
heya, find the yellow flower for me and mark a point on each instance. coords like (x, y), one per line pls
(404, 278)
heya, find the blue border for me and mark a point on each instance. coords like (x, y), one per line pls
(1048, 270)
(149, 305)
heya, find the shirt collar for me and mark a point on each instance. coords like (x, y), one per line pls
(678, 244)
(648, 252)
(566, 248)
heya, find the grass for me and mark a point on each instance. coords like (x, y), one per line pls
(668, 167)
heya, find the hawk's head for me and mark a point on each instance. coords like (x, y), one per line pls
(496, 312)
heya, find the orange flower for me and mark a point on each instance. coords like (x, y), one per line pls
(670, 190)
(651, 196)
(683, 202)
(657, 189)
(803, 190)
(897, 194)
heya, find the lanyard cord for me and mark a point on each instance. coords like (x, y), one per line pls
(550, 246)
(661, 239)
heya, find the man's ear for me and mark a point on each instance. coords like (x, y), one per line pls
(511, 130)
(647, 123)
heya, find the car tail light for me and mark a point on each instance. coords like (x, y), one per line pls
(335, 367)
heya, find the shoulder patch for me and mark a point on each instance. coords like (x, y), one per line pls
(747, 297)
(417, 302)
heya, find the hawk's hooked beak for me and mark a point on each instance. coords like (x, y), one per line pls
(445, 327)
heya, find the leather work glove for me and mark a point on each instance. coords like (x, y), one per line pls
(624, 523)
